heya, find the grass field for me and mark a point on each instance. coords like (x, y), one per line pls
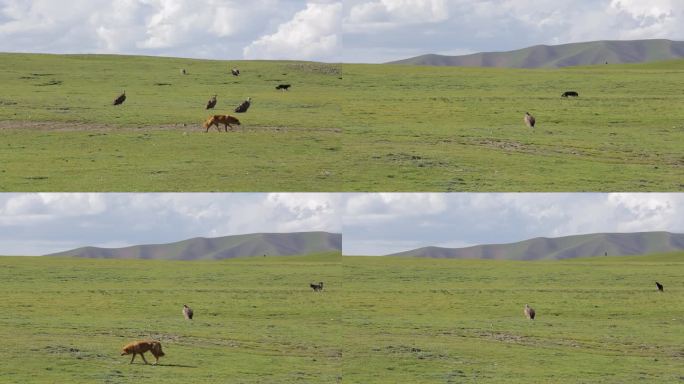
(344, 127)
(379, 320)
(414, 128)
(599, 320)
(65, 320)
(60, 132)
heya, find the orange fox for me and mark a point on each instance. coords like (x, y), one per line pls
(227, 120)
(140, 347)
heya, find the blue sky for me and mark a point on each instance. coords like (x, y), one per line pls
(325, 30)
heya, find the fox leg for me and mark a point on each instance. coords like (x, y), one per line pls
(143, 357)
(132, 358)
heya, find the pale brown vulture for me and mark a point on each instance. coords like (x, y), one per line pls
(244, 106)
(187, 312)
(119, 100)
(529, 120)
(211, 103)
(529, 312)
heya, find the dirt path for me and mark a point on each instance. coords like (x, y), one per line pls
(57, 126)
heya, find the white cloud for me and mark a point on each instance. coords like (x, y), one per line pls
(31, 208)
(372, 30)
(43, 223)
(313, 33)
(379, 207)
(195, 28)
(386, 223)
(384, 14)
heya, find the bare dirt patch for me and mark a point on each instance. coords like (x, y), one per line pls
(57, 126)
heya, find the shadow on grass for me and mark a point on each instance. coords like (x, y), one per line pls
(176, 365)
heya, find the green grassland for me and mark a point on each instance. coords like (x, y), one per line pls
(348, 127)
(414, 128)
(289, 141)
(599, 320)
(64, 320)
(379, 320)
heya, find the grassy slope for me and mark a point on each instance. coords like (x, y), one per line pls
(257, 321)
(380, 320)
(404, 128)
(460, 129)
(288, 140)
(257, 244)
(453, 321)
(595, 244)
(542, 56)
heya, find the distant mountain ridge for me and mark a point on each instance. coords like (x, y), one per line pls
(543, 248)
(564, 55)
(201, 248)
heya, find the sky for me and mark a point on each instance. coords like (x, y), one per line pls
(40, 223)
(370, 31)
(371, 223)
(384, 223)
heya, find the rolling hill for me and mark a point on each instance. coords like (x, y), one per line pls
(227, 247)
(565, 55)
(540, 248)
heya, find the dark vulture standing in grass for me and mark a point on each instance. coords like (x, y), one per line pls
(660, 286)
(244, 106)
(235, 72)
(183, 71)
(211, 103)
(119, 100)
(187, 312)
(529, 312)
(317, 287)
(529, 120)
(283, 87)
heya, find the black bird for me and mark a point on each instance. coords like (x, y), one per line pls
(317, 287)
(119, 100)
(284, 87)
(211, 103)
(244, 106)
(235, 72)
(187, 312)
(660, 286)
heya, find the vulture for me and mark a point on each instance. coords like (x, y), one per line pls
(284, 87)
(235, 72)
(317, 287)
(211, 103)
(184, 72)
(660, 286)
(244, 106)
(529, 120)
(187, 312)
(119, 100)
(529, 312)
